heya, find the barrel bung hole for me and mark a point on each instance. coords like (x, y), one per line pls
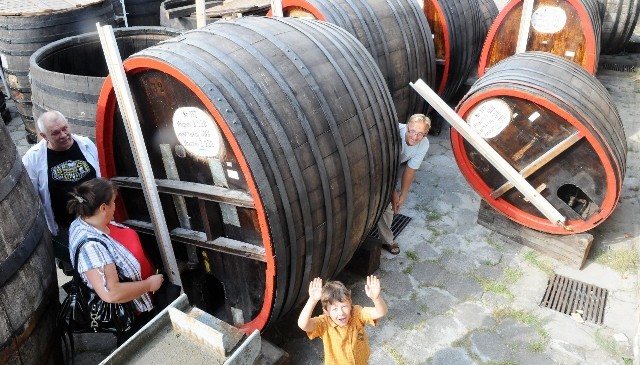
(577, 200)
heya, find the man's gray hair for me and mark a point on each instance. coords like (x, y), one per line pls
(420, 118)
(43, 116)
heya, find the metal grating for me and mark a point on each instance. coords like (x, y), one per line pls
(397, 225)
(617, 67)
(575, 298)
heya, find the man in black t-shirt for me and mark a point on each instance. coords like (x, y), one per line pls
(55, 165)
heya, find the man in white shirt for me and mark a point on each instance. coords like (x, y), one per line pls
(414, 147)
(55, 165)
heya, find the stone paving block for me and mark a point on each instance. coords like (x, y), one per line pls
(464, 288)
(434, 301)
(516, 333)
(407, 314)
(439, 333)
(429, 274)
(459, 264)
(397, 285)
(489, 346)
(451, 356)
(473, 316)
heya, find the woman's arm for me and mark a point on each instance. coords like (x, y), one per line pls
(120, 292)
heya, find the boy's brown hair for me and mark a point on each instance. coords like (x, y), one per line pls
(334, 291)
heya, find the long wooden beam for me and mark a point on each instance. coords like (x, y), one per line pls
(190, 189)
(548, 210)
(139, 149)
(539, 162)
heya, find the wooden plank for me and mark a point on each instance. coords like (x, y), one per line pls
(201, 191)
(525, 25)
(572, 249)
(196, 238)
(540, 161)
(138, 149)
(497, 161)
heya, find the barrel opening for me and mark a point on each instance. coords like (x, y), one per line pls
(577, 200)
(69, 57)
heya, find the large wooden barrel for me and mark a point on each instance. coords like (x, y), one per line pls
(566, 28)
(28, 283)
(488, 13)
(284, 136)
(619, 21)
(142, 12)
(63, 80)
(394, 32)
(457, 36)
(27, 26)
(555, 124)
(181, 14)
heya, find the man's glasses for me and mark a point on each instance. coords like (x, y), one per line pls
(416, 133)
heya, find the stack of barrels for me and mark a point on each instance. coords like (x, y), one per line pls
(538, 104)
(25, 26)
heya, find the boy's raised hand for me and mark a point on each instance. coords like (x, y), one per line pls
(315, 289)
(372, 288)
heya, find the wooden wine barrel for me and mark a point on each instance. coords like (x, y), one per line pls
(26, 26)
(181, 14)
(618, 23)
(28, 282)
(395, 33)
(488, 13)
(63, 80)
(143, 12)
(457, 36)
(566, 28)
(555, 124)
(284, 137)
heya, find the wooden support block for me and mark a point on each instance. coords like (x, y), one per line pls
(572, 249)
(207, 330)
(366, 259)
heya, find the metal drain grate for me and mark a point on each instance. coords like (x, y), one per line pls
(617, 67)
(397, 225)
(574, 298)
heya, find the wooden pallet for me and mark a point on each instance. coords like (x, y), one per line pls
(572, 249)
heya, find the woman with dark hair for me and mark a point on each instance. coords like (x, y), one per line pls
(93, 202)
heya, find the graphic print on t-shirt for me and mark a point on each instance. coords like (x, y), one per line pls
(67, 169)
(71, 171)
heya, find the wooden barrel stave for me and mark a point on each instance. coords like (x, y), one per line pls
(566, 100)
(28, 282)
(457, 32)
(577, 40)
(394, 32)
(313, 213)
(619, 21)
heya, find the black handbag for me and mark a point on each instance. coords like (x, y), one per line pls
(83, 310)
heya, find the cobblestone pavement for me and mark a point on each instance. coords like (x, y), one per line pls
(459, 294)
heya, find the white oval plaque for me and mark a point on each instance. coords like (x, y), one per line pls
(548, 19)
(197, 132)
(490, 117)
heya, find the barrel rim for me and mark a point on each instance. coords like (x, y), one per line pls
(517, 215)
(590, 46)
(81, 39)
(104, 131)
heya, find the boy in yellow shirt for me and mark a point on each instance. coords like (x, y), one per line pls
(341, 326)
